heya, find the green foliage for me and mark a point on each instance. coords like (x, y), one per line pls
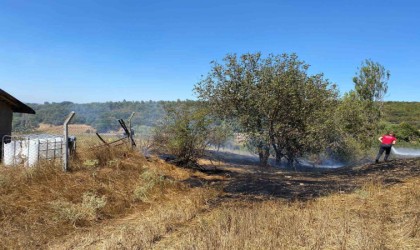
(407, 132)
(346, 149)
(274, 100)
(403, 131)
(281, 108)
(184, 132)
(220, 133)
(358, 119)
(397, 112)
(102, 116)
(371, 83)
(360, 112)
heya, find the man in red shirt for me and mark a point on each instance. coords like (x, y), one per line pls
(386, 144)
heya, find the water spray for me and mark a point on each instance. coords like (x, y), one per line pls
(406, 152)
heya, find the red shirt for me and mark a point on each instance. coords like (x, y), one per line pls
(388, 139)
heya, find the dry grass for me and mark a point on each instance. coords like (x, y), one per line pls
(43, 203)
(370, 218)
(117, 199)
(73, 128)
(87, 210)
(143, 229)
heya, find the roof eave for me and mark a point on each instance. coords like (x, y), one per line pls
(16, 105)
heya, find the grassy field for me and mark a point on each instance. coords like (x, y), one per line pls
(118, 199)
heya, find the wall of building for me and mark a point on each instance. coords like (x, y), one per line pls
(6, 116)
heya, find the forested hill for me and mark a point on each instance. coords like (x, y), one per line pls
(103, 116)
(397, 112)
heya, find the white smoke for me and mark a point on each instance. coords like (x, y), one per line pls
(323, 164)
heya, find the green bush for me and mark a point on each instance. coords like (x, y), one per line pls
(403, 131)
(348, 150)
(184, 133)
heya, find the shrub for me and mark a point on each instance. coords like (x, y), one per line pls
(184, 133)
(347, 149)
(403, 131)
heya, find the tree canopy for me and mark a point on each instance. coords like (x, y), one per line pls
(277, 103)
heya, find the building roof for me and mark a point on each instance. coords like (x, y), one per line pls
(16, 105)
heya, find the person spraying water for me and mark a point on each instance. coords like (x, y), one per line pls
(387, 141)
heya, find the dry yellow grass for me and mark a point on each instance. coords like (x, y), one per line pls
(117, 199)
(43, 203)
(73, 129)
(370, 218)
(143, 229)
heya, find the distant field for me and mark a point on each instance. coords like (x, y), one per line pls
(73, 128)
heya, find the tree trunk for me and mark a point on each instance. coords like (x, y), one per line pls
(264, 154)
(278, 158)
(290, 162)
(279, 155)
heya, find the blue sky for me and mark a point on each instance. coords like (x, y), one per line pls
(95, 51)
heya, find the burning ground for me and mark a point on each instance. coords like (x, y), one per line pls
(232, 204)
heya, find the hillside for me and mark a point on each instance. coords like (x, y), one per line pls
(397, 112)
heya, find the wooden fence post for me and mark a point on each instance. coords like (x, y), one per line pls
(130, 130)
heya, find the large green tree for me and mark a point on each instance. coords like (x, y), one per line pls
(274, 100)
(360, 111)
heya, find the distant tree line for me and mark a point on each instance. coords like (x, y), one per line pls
(102, 116)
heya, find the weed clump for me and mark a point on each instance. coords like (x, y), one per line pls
(149, 181)
(4, 180)
(81, 213)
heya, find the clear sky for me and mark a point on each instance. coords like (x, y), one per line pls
(95, 51)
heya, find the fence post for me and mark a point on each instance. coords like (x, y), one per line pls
(130, 131)
(66, 143)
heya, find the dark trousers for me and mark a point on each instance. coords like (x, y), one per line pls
(382, 148)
